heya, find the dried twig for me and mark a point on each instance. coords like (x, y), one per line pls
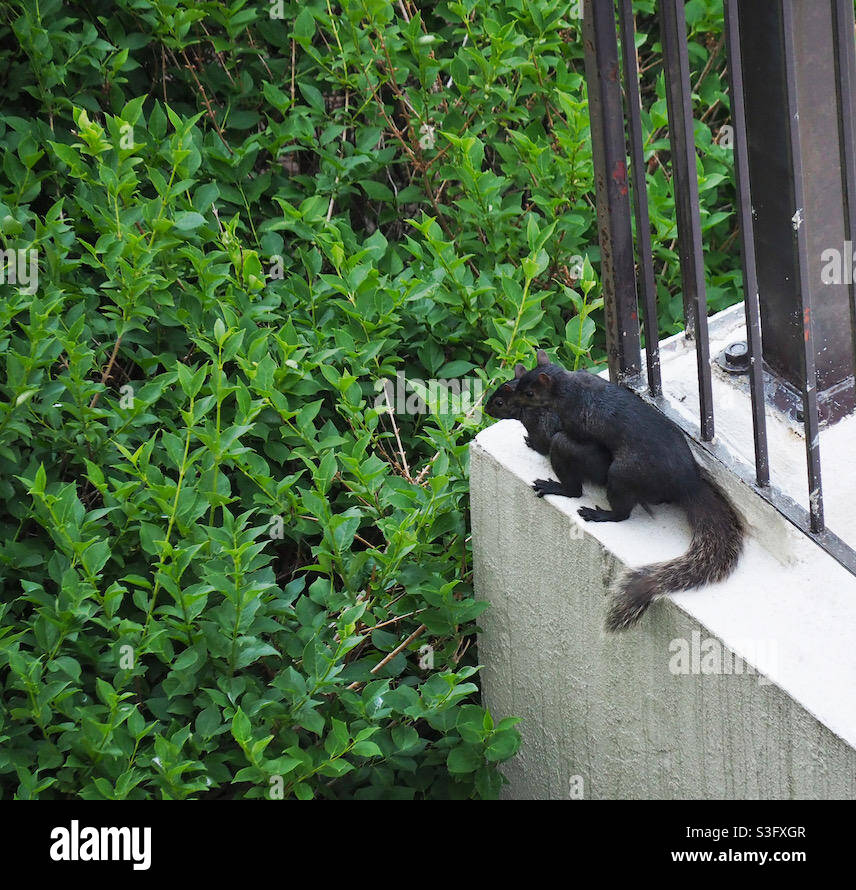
(391, 655)
(219, 55)
(344, 140)
(293, 57)
(210, 110)
(710, 60)
(261, 57)
(397, 437)
(108, 370)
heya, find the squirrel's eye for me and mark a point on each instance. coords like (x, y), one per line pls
(529, 393)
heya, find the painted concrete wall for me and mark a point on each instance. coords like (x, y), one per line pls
(608, 716)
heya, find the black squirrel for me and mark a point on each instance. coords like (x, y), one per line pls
(573, 461)
(650, 463)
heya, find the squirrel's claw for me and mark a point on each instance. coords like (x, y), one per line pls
(548, 486)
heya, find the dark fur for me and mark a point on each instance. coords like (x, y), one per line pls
(650, 463)
(540, 425)
(574, 462)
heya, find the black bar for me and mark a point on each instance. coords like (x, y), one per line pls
(609, 157)
(814, 104)
(673, 35)
(750, 277)
(797, 515)
(640, 198)
(844, 50)
(806, 354)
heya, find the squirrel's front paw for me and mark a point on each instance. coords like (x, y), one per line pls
(547, 486)
(590, 514)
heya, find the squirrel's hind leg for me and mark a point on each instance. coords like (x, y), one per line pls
(621, 500)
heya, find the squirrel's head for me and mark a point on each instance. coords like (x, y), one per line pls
(508, 398)
(535, 388)
(501, 403)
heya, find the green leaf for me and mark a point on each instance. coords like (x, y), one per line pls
(302, 791)
(38, 486)
(304, 26)
(189, 220)
(241, 729)
(463, 759)
(209, 721)
(503, 745)
(367, 749)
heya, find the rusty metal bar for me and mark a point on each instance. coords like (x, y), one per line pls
(609, 156)
(814, 82)
(750, 278)
(640, 198)
(806, 355)
(673, 28)
(844, 53)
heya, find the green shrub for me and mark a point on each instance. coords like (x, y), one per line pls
(220, 558)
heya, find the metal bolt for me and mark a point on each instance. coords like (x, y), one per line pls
(735, 357)
(737, 354)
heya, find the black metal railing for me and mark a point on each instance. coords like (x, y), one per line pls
(792, 84)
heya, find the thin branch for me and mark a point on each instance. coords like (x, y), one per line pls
(293, 56)
(108, 370)
(189, 66)
(388, 658)
(397, 437)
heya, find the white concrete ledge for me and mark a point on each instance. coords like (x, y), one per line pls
(613, 714)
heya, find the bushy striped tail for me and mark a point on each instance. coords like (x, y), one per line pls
(716, 546)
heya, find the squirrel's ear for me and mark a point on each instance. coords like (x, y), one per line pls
(507, 388)
(543, 358)
(519, 371)
(544, 380)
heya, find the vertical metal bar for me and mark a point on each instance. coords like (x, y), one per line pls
(844, 49)
(673, 28)
(807, 353)
(762, 44)
(640, 198)
(609, 156)
(750, 278)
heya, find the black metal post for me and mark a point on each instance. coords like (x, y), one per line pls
(609, 155)
(792, 85)
(673, 33)
(805, 355)
(750, 277)
(640, 198)
(844, 48)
